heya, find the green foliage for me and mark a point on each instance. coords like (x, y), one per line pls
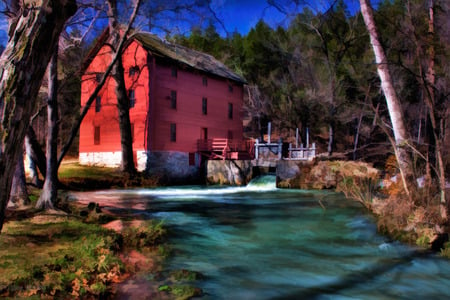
(445, 252)
(423, 241)
(359, 189)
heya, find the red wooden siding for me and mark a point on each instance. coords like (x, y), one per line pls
(153, 93)
(107, 117)
(188, 115)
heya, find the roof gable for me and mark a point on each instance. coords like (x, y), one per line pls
(194, 59)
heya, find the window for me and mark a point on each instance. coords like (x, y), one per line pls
(132, 98)
(133, 71)
(204, 106)
(174, 72)
(173, 99)
(98, 77)
(230, 88)
(230, 111)
(205, 81)
(204, 134)
(173, 132)
(98, 104)
(97, 135)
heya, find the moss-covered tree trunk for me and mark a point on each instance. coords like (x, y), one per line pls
(22, 67)
(36, 157)
(19, 193)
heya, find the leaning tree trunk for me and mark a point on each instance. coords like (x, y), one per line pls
(19, 193)
(22, 67)
(123, 101)
(49, 193)
(36, 157)
(393, 103)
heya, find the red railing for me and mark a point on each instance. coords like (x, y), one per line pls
(223, 148)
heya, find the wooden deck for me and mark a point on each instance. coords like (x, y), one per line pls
(228, 149)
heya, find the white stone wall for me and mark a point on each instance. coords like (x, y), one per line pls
(111, 159)
(141, 160)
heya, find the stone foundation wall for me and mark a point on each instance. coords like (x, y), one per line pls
(173, 167)
(229, 172)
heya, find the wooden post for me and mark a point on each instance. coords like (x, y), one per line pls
(307, 137)
(296, 137)
(280, 148)
(256, 148)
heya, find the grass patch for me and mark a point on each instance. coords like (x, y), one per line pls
(63, 256)
(57, 258)
(81, 177)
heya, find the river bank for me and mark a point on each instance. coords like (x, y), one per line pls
(99, 227)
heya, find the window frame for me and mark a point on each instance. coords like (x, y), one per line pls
(131, 98)
(230, 111)
(173, 99)
(97, 135)
(173, 132)
(98, 103)
(204, 106)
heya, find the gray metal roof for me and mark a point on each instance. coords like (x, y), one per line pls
(195, 59)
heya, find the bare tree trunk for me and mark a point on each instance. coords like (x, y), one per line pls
(49, 193)
(35, 155)
(430, 100)
(427, 81)
(393, 103)
(123, 102)
(22, 67)
(19, 193)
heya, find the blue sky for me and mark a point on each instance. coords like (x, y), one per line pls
(240, 15)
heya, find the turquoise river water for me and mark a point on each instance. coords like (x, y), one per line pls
(259, 242)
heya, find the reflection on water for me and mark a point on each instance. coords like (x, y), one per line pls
(259, 242)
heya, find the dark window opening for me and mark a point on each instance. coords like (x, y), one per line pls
(204, 134)
(205, 106)
(98, 77)
(173, 132)
(230, 88)
(97, 135)
(173, 99)
(98, 104)
(132, 98)
(230, 111)
(133, 71)
(205, 81)
(174, 72)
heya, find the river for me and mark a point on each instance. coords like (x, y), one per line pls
(259, 242)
